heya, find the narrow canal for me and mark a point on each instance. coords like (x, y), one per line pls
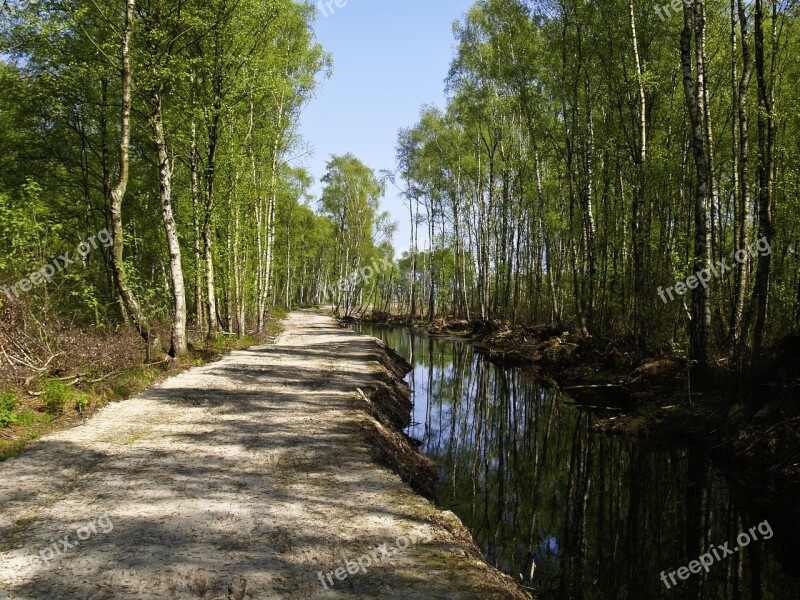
(574, 515)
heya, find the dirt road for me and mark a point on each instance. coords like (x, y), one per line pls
(251, 477)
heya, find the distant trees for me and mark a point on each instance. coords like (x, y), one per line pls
(592, 154)
(351, 200)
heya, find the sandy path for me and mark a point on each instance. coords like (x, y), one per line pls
(241, 479)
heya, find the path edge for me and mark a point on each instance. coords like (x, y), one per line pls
(387, 409)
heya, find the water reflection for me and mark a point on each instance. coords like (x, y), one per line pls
(579, 516)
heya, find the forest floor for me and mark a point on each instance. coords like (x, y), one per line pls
(252, 477)
(749, 418)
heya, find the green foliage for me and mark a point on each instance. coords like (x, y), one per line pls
(31, 425)
(8, 406)
(56, 395)
(60, 106)
(279, 313)
(31, 418)
(81, 403)
(529, 185)
(351, 199)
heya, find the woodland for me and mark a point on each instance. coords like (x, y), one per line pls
(590, 157)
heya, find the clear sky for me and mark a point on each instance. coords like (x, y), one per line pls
(390, 57)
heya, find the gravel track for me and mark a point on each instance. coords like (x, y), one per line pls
(244, 478)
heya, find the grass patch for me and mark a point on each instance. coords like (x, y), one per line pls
(30, 425)
(128, 383)
(32, 417)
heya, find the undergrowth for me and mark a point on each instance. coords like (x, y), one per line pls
(8, 406)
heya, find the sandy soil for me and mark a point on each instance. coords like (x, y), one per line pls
(246, 478)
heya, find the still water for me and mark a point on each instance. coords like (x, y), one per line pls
(574, 515)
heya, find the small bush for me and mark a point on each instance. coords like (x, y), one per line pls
(56, 395)
(81, 403)
(8, 404)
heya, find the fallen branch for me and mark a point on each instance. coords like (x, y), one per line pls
(602, 386)
(103, 378)
(161, 362)
(609, 408)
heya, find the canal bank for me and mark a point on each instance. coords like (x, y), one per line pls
(747, 417)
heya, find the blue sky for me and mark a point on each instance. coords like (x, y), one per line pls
(390, 57)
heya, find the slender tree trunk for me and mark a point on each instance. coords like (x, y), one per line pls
(570, 118)
(766, 169)
(208, 241)
(261, 212)
(588, 207)
(432, 270)
(735, 191)
(106, 167)
(178, 343)
(460, 295)
(713, 185)
(270, 209)
(743, 234)
(239, 271)
(548, 249)
(213, 127)
(413, 285)
(194, 185)
(639, 199)
(288, 258)
(701, 314)
(117, 192)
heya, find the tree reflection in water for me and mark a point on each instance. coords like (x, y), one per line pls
(599, 517)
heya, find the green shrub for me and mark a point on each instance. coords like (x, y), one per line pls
(81, 403)
(8, 404)
(56, 395)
